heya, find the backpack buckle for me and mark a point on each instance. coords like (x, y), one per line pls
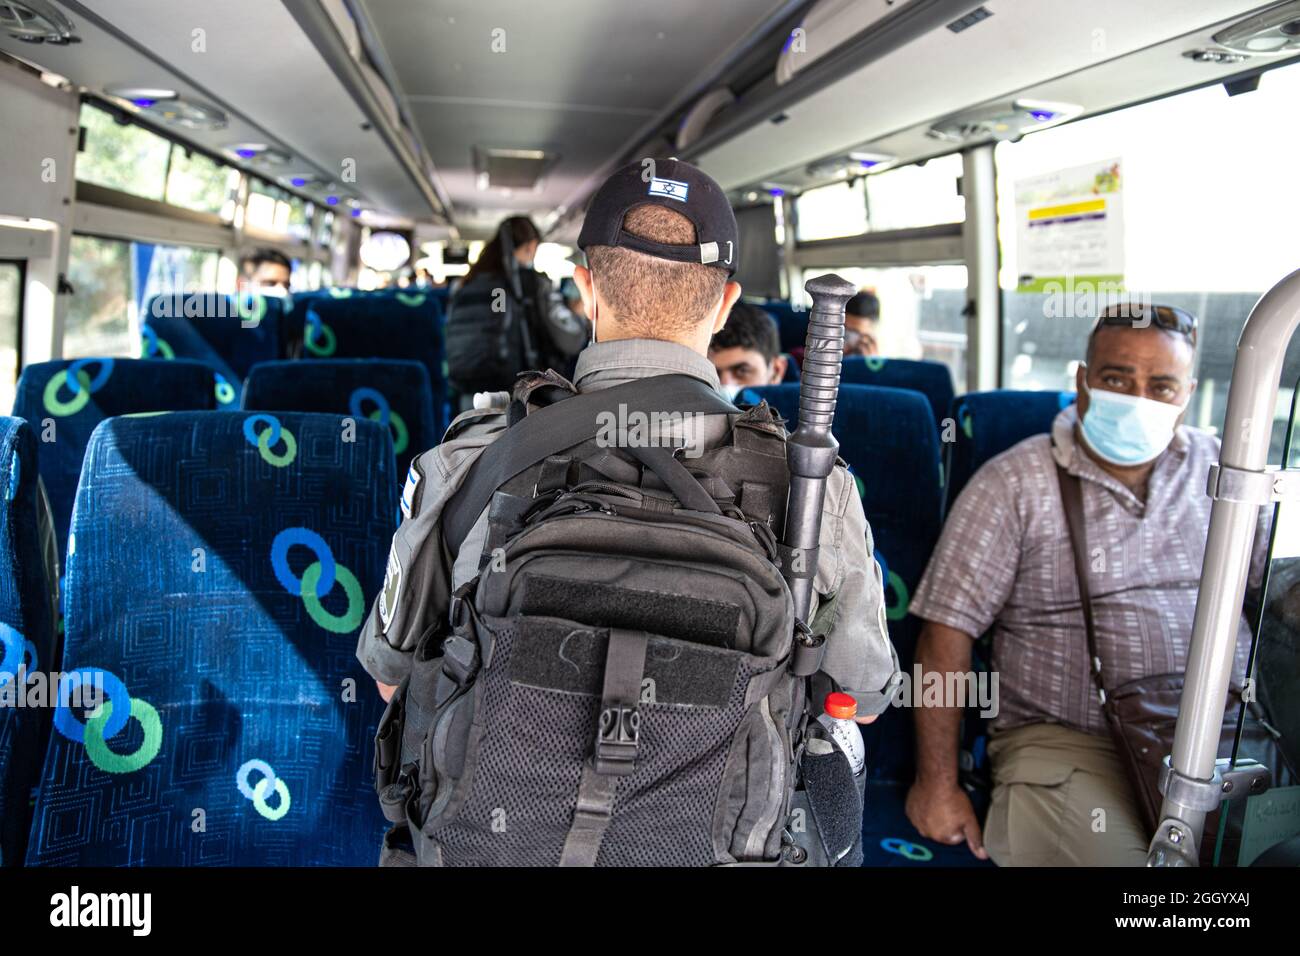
(458, 607)
(617, 739)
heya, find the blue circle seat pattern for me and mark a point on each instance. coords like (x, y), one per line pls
(237, 728)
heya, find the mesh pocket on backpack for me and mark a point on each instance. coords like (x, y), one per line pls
(534, 729)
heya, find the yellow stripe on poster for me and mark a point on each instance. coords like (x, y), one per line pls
(1068, 209)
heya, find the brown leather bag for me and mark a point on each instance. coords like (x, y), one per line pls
(1141, 713)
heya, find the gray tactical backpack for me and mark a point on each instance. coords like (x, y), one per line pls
(621, 684)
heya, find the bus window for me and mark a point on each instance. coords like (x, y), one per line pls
(1204, 227)
(202, 184)
(122, 156)
(1262, 821)
(923, 194)
(920, 311)
(11, 329)
(109, 294)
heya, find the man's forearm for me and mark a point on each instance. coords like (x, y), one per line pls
(944, 650)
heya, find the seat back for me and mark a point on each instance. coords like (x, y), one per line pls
(27, 638)
(221, 571)
(791, 325)
(230, 334)
(64, 400)
(402, 325)
(389, 391)
(888, 439)
(988, 423)
(931, 379)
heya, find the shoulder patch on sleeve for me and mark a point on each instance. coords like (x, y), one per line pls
(413, 490)
(392, 591)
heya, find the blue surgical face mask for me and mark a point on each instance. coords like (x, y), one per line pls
(1128, 430)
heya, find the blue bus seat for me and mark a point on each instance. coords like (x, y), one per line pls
(988, 423)
(931, 379)
(76, 395)
(889, 839)
(791, 324)
(221, 570)
(401, 325)
(28, 643)
(230, 334)
(396, 393)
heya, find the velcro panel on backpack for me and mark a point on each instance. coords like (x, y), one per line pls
(556, 656)
(610, 558)
(684, 616)
(836, 806)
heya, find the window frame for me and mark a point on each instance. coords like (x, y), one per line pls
(21, 330)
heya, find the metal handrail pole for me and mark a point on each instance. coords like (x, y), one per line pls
(1248, 426)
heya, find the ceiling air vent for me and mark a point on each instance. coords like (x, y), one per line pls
(1002, 121)
(1272, 33)
(511, 168)
(855, 163)
(189, 114)
(36, 21)
(169, 108)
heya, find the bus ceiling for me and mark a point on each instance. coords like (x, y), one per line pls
(249, 86)
(455, 115)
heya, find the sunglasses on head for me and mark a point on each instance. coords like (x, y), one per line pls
(1167, 317)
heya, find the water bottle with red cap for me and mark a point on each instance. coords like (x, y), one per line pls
(839, 710)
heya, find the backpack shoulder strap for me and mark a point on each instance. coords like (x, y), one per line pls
(562, 425)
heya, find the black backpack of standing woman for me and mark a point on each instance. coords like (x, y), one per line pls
(507, 319)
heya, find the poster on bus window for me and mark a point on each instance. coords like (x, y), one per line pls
(1070, 229)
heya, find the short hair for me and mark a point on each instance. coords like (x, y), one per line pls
(265, 254)
(866, 304)
(656, 298)
(749, 327)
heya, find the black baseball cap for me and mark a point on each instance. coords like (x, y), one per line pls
(674, 185)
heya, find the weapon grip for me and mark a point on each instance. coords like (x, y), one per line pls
(811, 450)
(819, 377)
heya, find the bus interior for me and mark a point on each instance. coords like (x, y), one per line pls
(939, 153)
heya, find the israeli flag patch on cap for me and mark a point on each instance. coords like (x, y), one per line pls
(670, 188)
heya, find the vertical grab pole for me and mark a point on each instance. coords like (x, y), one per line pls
(1247, 431)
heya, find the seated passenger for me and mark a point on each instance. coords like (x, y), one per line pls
(747, 350)
(1005, 563)
(862, 324)
(265, 271)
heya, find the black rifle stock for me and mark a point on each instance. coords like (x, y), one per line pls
(812, 449)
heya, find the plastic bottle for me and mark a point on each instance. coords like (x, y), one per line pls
(843, 731)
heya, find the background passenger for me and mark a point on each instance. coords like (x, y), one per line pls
(266, 271)
(507, 318)
(747, 350)
(1004, 562)
(862, 324)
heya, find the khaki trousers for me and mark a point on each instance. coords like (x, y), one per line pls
(1060, 798)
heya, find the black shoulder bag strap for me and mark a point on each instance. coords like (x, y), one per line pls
(1072, 500)
(570, 422)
